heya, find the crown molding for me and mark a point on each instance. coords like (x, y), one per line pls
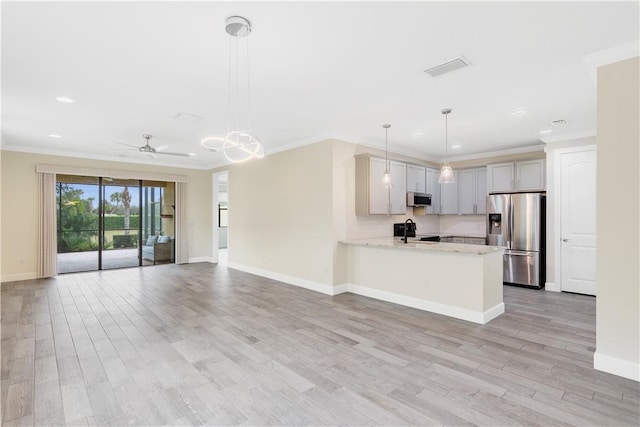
(62, 153)
(552, 139)
(609, 56)
(519, 150)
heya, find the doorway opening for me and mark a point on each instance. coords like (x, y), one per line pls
(105, 223)
(221, 217)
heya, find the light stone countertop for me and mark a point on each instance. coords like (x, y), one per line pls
(452, 248)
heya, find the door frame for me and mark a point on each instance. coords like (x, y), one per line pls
(215, 258)
(556, 235)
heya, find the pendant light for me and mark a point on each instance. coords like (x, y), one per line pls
(386, 176)
(239, 143)
(446, 173)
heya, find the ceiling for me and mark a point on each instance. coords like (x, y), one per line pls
(318, 70)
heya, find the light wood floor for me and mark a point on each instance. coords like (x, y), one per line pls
(202, 345)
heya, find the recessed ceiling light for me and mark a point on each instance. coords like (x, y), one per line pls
(191, 154)
(65, 100)
(542, 132)
(518, 112)
(418, 134)
(53, 135)
(456, 147)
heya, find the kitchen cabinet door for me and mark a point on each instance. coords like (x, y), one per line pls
(500, 177)
(472, 191)
(449, 196)
(481, 191)
(467, 191)
(416, 178)
(378, 194)
(527, 175)
(433, 188)
(398, 192)
(530, 175)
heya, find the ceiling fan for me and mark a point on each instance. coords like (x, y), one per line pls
(152, 151)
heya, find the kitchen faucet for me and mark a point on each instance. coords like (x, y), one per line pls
(404, 239)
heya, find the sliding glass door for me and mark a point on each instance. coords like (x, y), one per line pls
(78, 215)
(120, 223)
(105, 223)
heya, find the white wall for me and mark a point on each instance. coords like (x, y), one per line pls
(618, 220)
(20, 208)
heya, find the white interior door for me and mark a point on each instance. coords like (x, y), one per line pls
(578, 221)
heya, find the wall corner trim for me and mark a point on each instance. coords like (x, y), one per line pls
(615, 366)
(552, 287)
(18, 277)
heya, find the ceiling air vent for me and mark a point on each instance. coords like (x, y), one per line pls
(445, 67)
(559, 122)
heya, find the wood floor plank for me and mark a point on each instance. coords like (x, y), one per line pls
(199, 344)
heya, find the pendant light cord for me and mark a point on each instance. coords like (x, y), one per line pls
(446, 135)
(386, 148)
(248, 88)
(229, 87)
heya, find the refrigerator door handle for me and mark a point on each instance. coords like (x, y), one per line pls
(511, 222)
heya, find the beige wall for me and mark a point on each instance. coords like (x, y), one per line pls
(280, 213)
(618, 220)
(20, 203)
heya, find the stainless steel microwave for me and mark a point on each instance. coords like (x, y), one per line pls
(418, 199)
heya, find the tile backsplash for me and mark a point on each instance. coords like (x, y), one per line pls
(465, 225)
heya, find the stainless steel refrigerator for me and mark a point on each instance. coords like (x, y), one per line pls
(517, 221)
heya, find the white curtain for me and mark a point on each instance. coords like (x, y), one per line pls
(182, 244)
(47, 243)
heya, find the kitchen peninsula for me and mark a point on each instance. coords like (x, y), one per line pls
(457, 280)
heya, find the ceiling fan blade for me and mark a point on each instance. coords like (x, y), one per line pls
(174, 154)
(122, 143)
(162, 147)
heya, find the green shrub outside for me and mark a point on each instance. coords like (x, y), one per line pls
(115, 222)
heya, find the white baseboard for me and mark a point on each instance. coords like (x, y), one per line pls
(433, 307)
(18, 277)
(550, 286)
(291, 280)
(341, 289)
(615, 366)
(447, 310)
(201, 259)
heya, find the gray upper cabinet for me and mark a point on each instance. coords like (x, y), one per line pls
(372, 197)
(398, 192)
(416, 178)
(472, 191)
(449, 196)
(528, 175)
(433, 188)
